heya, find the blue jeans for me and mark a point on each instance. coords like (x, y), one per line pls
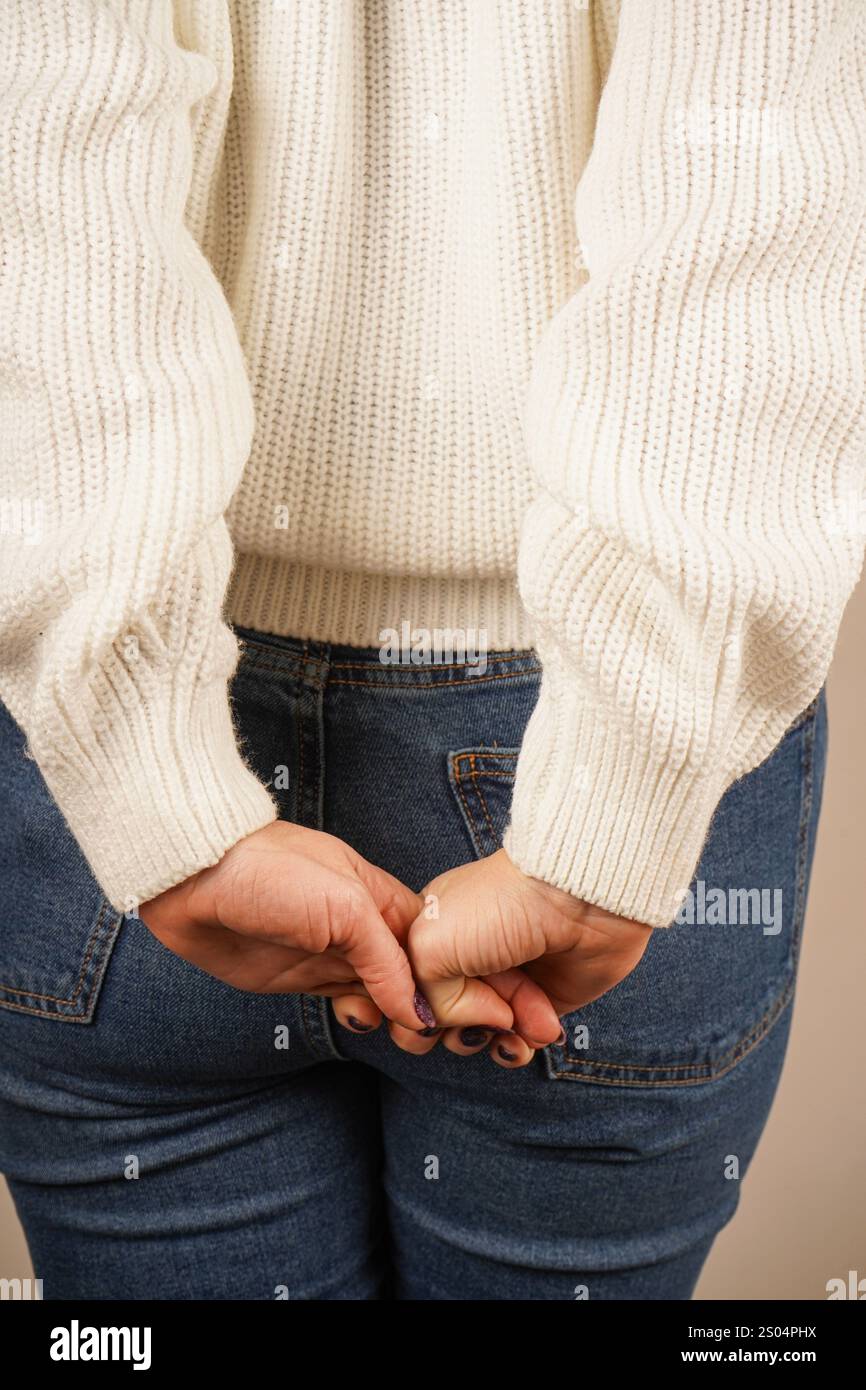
(160, 1144)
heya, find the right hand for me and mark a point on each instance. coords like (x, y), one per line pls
(289, 910)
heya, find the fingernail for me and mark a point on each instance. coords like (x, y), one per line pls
(428, 1032)
(474, 1037)
(354, 1022)
(423, 1010)
(505, 1054)
(561, 1039)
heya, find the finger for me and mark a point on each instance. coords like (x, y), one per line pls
(510, 1051)
(469, 1040)
(535, 1018)
(357, 1013)
(383, 968)
(459, 1002)
(416, 1043)
(397, 904)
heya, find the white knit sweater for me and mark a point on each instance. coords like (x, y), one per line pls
(392, 303)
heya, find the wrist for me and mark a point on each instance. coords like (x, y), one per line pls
(582, 912)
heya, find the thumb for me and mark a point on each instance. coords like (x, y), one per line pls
(457, 999)
(460, 1001)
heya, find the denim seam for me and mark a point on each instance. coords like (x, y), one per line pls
(440, 666)
(387, 684)
(295, 664)
(458, 783)
(70, 999)
(709, 1071)
(807, 789)
(294, 658)
(293, 669)
(711, 1074)
(305, 998)
(102, 935)
(270, 649)
(301, 733)
(473, 773)
(459, 777)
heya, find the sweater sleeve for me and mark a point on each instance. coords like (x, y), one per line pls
(125, 423)
(696, 418)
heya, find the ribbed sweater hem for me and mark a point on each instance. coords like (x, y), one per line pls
(353, 608)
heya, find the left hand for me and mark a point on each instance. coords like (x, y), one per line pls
(498, 928)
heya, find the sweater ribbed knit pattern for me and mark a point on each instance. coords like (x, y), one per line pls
(528, 316)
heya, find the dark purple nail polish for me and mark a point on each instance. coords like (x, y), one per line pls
(428, 1032)
(354, 1022)
(423, 1010)
(505, 1054)
(474, 1037)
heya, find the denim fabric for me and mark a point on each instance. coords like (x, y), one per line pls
(343, 1168)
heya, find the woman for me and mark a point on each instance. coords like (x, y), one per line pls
(299, 352)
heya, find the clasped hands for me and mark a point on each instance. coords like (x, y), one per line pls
(487, 957)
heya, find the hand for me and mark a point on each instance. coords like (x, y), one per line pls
(492, 918)
(291, 910)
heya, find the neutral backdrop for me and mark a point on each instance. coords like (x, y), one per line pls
(802, 1214)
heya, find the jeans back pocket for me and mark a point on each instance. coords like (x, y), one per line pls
(710, 987)
(482, 780)
(56, 927)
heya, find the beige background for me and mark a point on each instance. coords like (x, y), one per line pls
(802, 1216)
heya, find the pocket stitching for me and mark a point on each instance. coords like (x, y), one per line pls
(709, 1071)
(98, 936)
(473, 773)
(459, 778)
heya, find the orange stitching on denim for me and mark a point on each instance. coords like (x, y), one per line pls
(489, 753)
(503, 776)
(712, 1075)
(523, 654)
(385, 683)
(473, 775)
(758, 1030)
(292, 658)
(437, 685)
(272, 650)
(437, 665)
(458, 783)
(292, 670)
(485, 808)
(55, 998)
(42, 1013)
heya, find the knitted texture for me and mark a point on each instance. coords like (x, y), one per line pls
(320, 316)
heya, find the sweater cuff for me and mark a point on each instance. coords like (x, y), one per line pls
(597, 814)
(157, 790)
